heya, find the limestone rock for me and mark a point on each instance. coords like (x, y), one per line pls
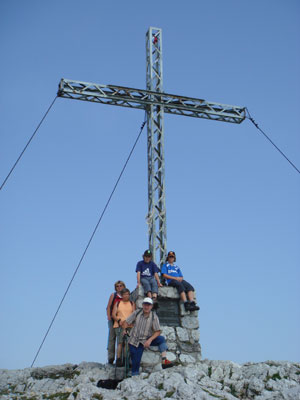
(168, 292)
(190, 322)
(150, 358)
(207, 379)
(182, 334)
(187, 359)
(169, 333)
(195, 335)
(171, 356)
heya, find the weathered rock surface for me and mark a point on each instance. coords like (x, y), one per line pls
(205, 380)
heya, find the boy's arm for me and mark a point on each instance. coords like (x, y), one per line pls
(176, 278)
(157, 279)
(138, 277)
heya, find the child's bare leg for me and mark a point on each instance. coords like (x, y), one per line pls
(190, 296)
(119, 350)
(183, 296)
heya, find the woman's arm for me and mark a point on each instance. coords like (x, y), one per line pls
(109, 305)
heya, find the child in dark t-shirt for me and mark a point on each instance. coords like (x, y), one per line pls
(147, 275)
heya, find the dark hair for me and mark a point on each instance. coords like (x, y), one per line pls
(173, 253)
(125, 290)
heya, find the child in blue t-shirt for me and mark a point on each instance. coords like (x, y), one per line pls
(147, 275)
(173, 276)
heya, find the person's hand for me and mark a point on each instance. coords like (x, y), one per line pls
(108, 318)
(138, 285)
(179, 279)
(147, 343)
(160, 285)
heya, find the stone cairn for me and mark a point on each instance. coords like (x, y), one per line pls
(179, 327)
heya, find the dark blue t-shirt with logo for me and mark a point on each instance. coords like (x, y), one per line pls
(146, 269)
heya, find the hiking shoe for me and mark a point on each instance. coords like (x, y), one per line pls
(119, 362)
(187, 306)
(166, 363)
(111, 361)
(193, 306)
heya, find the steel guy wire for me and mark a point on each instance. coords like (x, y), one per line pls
(23, 151)
(267, 137)
(90, 240)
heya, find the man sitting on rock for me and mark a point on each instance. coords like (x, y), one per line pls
(173, 275)
(145, 332)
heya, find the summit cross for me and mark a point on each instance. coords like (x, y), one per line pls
(155, 102)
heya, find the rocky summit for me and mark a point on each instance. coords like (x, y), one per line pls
(205, 380)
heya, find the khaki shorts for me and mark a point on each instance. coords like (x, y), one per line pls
(119, 334)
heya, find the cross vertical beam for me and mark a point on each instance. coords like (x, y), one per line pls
(156, 217)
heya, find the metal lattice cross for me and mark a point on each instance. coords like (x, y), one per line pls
(155, 102)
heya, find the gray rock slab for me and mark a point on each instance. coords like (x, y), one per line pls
(206, 379)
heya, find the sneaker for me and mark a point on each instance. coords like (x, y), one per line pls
(111, 361)
(166, 363)
(187, 306)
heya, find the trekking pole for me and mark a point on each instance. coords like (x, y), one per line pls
(117, 355)
(115, 370)
(126, 355)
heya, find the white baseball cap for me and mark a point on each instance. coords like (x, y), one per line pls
(148, 300)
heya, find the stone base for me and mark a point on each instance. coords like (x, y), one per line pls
(182, 340)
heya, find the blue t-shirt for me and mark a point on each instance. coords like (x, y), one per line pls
(146, 269)
(172, 270)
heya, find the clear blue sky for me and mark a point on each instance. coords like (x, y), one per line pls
(232, 201)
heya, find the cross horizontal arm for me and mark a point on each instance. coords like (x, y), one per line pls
(140, 98)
